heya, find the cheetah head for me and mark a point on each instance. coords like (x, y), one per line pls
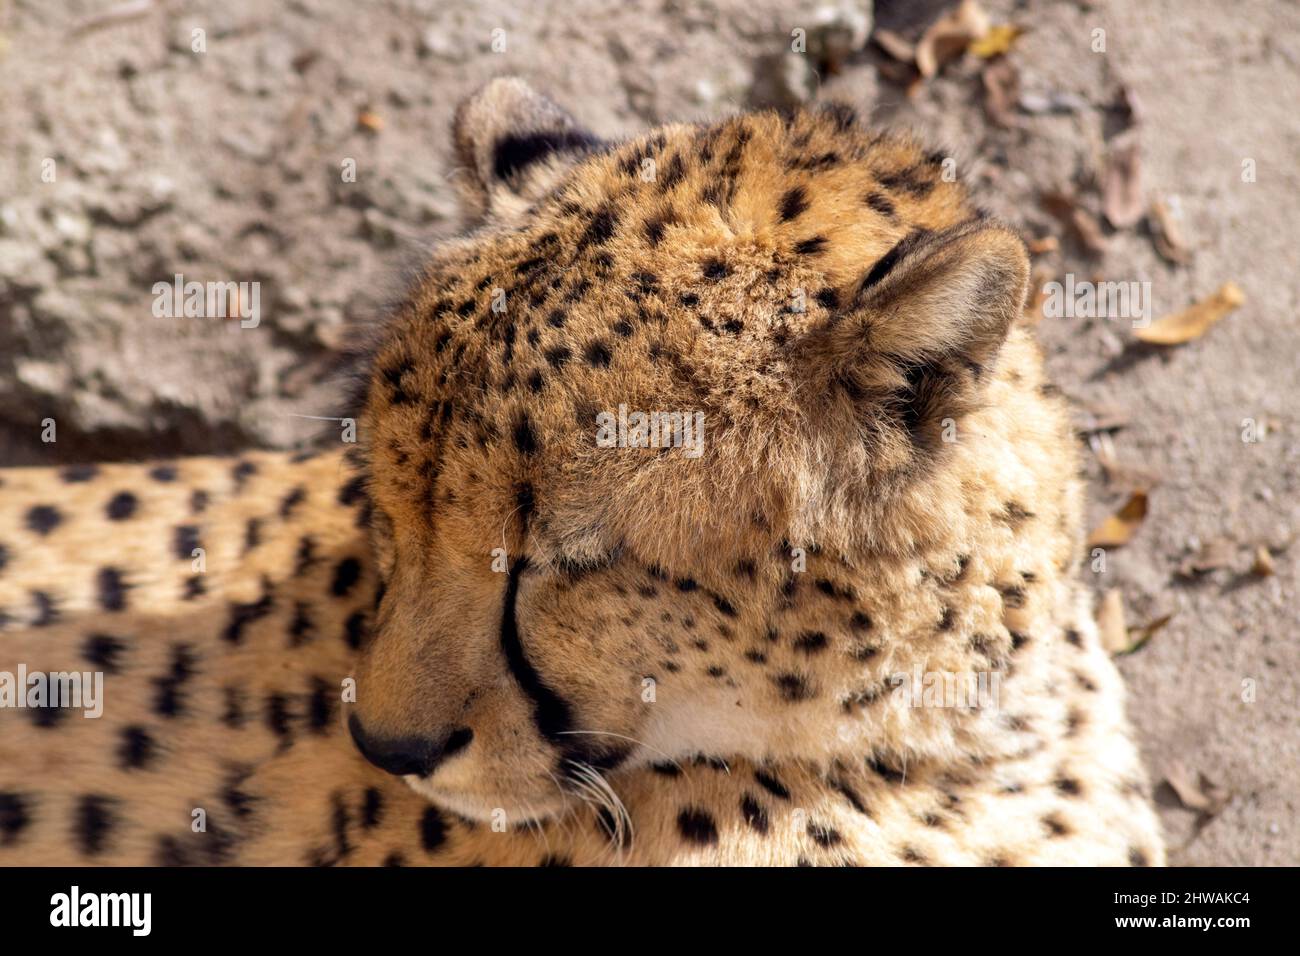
(614, 418)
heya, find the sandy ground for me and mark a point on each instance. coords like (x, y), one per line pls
(129, 157)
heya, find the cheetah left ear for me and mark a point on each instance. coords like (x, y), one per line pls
(513, 145)
(917, 333)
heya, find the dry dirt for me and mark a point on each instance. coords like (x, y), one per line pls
(225, 164)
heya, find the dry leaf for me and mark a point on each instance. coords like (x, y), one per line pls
(1110, 622)
(1122, 191)
(1138, 636)
(370, 121)
(1101, 417)
(1212, 555)
(947, 38)
(1081, 222)
(895, 46)
(1196, 791)
(1167, 234)
(1195, 320)
(996, 41)
(1001, 90)
(1117, 530)
(1263, 566)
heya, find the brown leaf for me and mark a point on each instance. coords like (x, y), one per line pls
(947, 38)
(1196, 791)
(1193, 322)
(1212, 555)
(1082, 223)
(1001, 90)
(1167, 234)
(1122, 191)
(1110, 622)
(1118, 529)
(1100, 417)
(1263, 566)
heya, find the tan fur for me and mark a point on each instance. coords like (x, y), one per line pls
(887, 484)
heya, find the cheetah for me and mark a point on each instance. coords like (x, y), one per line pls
(483, 635)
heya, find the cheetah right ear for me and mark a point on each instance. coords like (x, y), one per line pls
(914, 339)
(513, 144)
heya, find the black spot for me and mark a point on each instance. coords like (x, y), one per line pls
(186, 541)
(828, 299)
(292, 500)
(103, 650)
(598, 355)
(372, 808)
(1136, 855)
(793, 203)
(92, 821)
(697, 826)
(121, 506)
(163, 473)
(395, 859)
(301, 626)
(75, 474)
(354, 629)
(353, 491)
(666, 769)
(753, 814)
(810, 247)
(241, 615)
(771, 784)
(433, 829)
(110, 589)
(233, 716)
(242, 471)
(346, 574)
(169, 699)
(811, 643)
(908, 180)
(15, 815)
(860, 621)
(715, 269)
(881, 204)
(136, 749)
(198, 501)
(46, 611)
(278, 716)
(793, 687)
(320, 706)
(42, 519)
(525, 436)
(600, 230)
(654, 231)
(824, 836)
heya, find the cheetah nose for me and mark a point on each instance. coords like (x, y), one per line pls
(408, 755)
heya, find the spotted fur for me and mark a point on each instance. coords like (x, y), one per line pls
(577, 654)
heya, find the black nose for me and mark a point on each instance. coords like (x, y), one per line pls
(408, 755)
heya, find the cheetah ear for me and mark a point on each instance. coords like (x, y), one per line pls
(917, 333)
(512, 145)
(952, 293)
